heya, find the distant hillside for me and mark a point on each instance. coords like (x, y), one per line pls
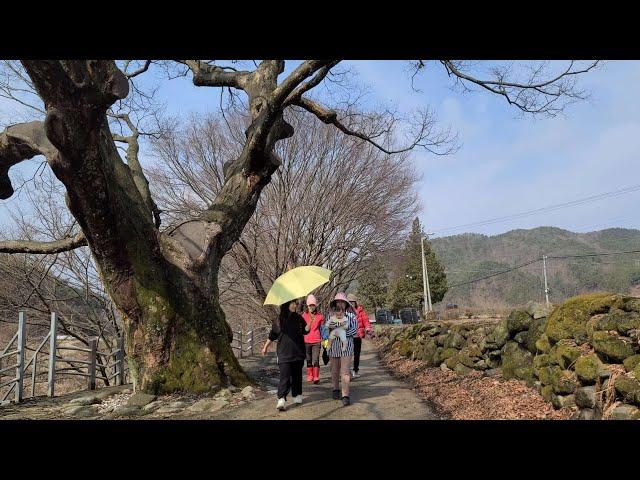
(469, 256)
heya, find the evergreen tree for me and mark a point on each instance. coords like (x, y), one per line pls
(407, 289)
(373, 285)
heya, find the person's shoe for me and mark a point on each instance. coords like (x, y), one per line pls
(309, 374)
(345, 401)
(336, 394)
(316, 375)
(354, 374)
(282, 404)
(297, 400)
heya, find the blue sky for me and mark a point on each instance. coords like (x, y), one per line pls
(506, 164)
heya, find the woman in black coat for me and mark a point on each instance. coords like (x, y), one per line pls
(290, 352)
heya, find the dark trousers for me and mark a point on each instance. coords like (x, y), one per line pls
(290, 379)
(313, 354)
(357, 346)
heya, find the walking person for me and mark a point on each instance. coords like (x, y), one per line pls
(314, 320)
(364, 327)
(290, 352)
(341, 315)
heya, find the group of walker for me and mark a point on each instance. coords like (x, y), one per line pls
(301, 337)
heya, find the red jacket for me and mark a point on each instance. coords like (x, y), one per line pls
(314, 334)
(363, 321)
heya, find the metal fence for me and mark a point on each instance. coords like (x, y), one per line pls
(96, 365)
(246, 344)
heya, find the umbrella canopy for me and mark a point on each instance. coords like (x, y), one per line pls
(296, 283)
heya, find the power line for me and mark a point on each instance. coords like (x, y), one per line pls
(549, 208)
(522, 265)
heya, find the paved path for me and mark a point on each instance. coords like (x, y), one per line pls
(375, 395)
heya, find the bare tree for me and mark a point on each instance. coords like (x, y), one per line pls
(165, 283)
(334, 201)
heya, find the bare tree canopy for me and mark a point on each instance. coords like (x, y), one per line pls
(165, 281)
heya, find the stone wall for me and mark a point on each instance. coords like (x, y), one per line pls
(585, 352)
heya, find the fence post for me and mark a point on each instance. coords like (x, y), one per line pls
(20, 364)
(241, 345)
(53, 336)
(121, 360)
(93, 345)
(34, 374)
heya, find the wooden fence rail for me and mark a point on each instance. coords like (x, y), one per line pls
(249, 342)
(111, 364)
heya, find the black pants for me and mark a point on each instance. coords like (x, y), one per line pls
(313, 354)
(357, 346)
(290, 379)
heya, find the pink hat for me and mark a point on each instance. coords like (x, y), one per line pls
(311, 300)
(343, 297)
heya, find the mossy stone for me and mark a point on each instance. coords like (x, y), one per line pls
(451, 362)
(518, 321)
(461, 369)
(569, 319)
(628, 388)
(454, 340)
(564, 353)
(544, 374)
(542, 344)
(535, 332)
(541, 360)
(517, 362)
(631, 362)
(498, 336)
(612, 346)
(588, 368)
(562, 401)
(547, 392)
(617, 320)
(444, 353)
(563, 381)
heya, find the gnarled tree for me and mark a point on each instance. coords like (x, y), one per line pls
(165, 283)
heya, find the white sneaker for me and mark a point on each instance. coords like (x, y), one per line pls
(354, 374)
(298, 400)
(282, 404)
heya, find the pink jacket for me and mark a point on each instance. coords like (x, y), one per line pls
(363, 321)
(314, 334)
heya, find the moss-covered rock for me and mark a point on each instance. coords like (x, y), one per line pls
(612, 346)
(517, 362)
(563, 381)
(454, 340)
(536, 310)
(631, 304)
(628, 388)
(586, 397)
(451, 362)
(443, 353)
(562, 401)
(547, 392)
(631, 362)
(544, 374)
(498, 336)
(564, 353)
(588, 368)
(518, 321)
(461, 369)
(541, 360)
(617, 320)
(569, 320)
(625, 412)
(542, 344)
(405, 348)
(536, 330)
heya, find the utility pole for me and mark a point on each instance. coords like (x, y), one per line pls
(425, 280)
(544, 270)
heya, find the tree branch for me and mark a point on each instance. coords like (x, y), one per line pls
(29, 246)
(18, 143)
(205, 75)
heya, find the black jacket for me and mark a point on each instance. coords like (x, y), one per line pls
(290, 337)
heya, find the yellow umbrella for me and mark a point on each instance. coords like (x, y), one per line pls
(296, 283)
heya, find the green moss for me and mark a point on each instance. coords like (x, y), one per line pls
(547, 392)
(451, 362)
(535, 333)
(461, 369)
(569, 319)
(564, 353)
(616, 320)
(563, 381)
(628, 388)
(541, 360)
(544, 374)
(518, 321)
(445, 353)
(454, 340)
(517, 362)
(611, 346)
(588, 368)
(498, 336)
(631, 362)
(542, 344)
